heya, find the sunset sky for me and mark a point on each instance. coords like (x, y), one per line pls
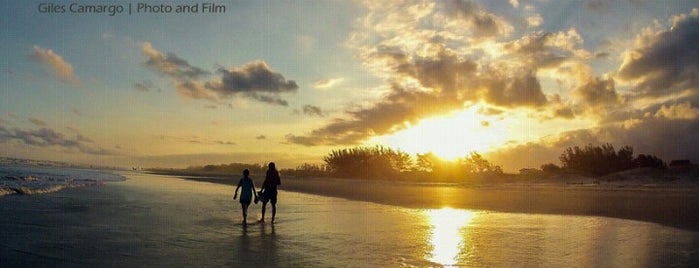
(289, 81)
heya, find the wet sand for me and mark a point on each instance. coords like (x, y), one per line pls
(671, 206)
(160, 221)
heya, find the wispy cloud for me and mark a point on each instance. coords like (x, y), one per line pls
(47, 137)
(327, 83)
(55, 65)
(195, 140)
(170, 64)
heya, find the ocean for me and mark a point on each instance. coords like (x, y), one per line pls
(155, 221)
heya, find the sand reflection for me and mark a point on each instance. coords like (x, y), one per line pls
(446, 238)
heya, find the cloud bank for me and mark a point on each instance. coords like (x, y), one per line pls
(45, 137)
(456, 54)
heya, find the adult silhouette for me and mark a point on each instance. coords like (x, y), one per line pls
(269, 190)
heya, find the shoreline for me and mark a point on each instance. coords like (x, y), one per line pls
(671, 206)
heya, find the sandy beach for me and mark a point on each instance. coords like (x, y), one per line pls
(671, 205)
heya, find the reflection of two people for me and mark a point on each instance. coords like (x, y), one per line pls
(261, 251)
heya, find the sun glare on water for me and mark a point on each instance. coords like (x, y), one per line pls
(446, 238)
(449, 137)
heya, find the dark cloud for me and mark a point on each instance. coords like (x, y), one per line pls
(602, 55)
(597, 92)
(46, 137)
(37, 122)
(451, 78)
(271, 99)
(564, 112)
(255, 76)
(545, 49)
(261, 137)
(480, 23)
(507, 88)
(145, 86)
(312, 110)
(665, 61)
(170, 64)
(255, 80)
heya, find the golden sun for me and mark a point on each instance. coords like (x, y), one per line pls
(449, 137)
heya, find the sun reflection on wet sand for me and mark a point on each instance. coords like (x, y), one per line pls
(446, 238)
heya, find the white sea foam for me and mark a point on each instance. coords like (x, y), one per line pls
(28, 180)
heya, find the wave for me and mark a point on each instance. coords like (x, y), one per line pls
(30, 180)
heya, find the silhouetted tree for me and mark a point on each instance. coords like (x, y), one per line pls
(375, 162)
(650, 161)
(600, 160)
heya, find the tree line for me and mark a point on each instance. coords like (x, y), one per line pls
(379, 162)
(601, 160)
(387, 163)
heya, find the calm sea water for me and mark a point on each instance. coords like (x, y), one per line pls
(160, 221)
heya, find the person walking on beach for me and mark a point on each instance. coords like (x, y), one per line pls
(247, 193)
(269, 190)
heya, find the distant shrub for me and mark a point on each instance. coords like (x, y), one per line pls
(307, 171)
(551, 168)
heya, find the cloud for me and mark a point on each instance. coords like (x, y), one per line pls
(664, 60)
(547, 49)
(47, 137)
(145, 86)
(254, 80)
(55, 65)
(534, 20)
(597, 92)
(261, 137)
(479, 22)
(312, 110)
(195, 140)
(431, 71)
(327, 83)
(680, 111)
(384, 117)
(37, 122)
(170, 64)
(514, 3)
(254, 76)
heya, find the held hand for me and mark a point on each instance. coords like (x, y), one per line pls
(235, 196)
